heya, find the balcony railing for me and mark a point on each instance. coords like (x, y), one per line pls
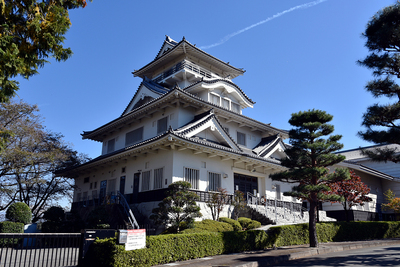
(183, 65)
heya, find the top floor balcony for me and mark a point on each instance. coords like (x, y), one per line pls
(184, 70)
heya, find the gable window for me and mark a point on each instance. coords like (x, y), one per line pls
(146, 180)
(158, 178)
(215, 99)
(241, 138)
(225, 103)
(111, 145)
(235, 107)
(162, 125)
(134, 136)
(214, 181)
(192, 176)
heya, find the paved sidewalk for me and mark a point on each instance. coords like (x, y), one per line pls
(269, 257)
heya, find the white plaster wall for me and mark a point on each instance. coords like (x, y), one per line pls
(186, 158)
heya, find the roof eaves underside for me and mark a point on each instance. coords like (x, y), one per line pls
(176, 93)
(171, 139)
(184, 47)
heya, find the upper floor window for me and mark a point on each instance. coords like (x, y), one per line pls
(111, 145)
(134, 136)
(162, 125)
(225, 103)
(235, 107)
(241, 138)
(215, 99)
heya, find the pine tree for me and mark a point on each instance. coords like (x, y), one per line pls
(382, 120)
(308, 160)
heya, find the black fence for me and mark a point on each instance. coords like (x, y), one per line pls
(39, 250)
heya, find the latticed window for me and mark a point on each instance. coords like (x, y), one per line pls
(192, 176)
(215, 99)
(146, 180)
(158, 178)
(111, 145)
(225, 103)
(235, 107)
(134, 136)
(214, 181)
(162, 125)
(241, 138)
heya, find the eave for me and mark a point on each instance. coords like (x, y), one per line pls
(171, 141)
(173, 99)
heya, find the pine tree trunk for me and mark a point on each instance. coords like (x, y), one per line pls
(312, 225)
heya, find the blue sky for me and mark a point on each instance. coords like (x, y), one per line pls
(298, 55)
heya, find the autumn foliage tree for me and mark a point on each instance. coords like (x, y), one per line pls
(393, 202)
(217, 202)
(353, 192)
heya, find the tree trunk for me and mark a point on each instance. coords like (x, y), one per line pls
(312, 224)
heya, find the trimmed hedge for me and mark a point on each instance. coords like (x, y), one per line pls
(208, 226)
(178, 247)
(248, 224)
(163, 249)
(235, 224)
(11, 227)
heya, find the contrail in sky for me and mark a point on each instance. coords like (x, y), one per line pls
(226, 38)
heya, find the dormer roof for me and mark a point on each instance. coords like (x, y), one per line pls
(207, 121)
(171, 50)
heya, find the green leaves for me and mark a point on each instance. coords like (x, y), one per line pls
(30, 33)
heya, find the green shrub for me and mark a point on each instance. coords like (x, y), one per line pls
(10, 227)
(178, 247)
(248, 224)
(54, 214)
(175, 247)
(19, 212)
(235, 224)
(209, 226)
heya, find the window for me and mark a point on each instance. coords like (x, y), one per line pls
(85, 196)
(95, 184)
(111, 187)
(215, 99)
(134, 136)
(79, 196)
(111, 145)
(214, 181)
(94, 194)
(192, 176)
(158, 178)
(241, 138)
(225, 103)
(86, 180)
(91, 186)
(235, 107)
(146, 180)
(162, 125)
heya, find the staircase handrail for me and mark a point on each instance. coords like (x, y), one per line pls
(128, 210)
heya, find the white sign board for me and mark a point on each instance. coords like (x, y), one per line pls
(136, 239)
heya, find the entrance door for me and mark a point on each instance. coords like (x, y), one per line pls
(103, 190)
(245, 183)
(135, 193)
(122, 185)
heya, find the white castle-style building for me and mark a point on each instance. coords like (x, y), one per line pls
(185, 122)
